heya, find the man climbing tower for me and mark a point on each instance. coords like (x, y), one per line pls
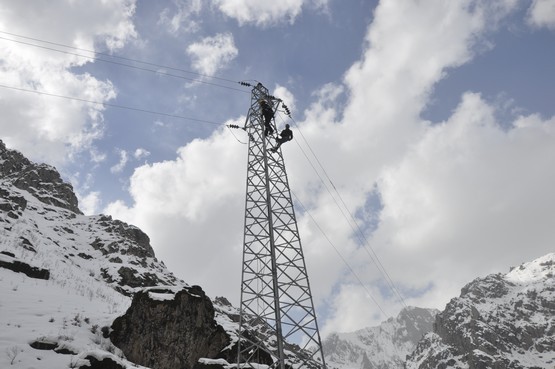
(284, 136)
(268, 114)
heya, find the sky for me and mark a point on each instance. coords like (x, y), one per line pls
(424, 133)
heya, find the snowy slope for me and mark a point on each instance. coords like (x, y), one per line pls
(500, 321)
(66, 277)
(384, 346)
(92, 265)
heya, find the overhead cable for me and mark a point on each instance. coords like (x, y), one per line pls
(111, 105)
(356, 229)
(156, 71)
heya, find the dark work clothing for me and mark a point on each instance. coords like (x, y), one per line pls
(268, 114)
(286, 135)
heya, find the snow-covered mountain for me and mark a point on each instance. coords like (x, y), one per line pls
(87, 292)
(500, 321)
(82, 291)
(64, 276)
(383, 347)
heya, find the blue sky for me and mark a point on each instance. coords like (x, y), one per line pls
(434, 121)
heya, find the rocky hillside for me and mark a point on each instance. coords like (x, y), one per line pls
(88, 292)
(64, 276)
(381, 347)
(502, 321)
(40, 221)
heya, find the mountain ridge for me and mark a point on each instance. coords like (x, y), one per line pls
(382, 346)
(70, 281)
(498, 321)
(101, 277)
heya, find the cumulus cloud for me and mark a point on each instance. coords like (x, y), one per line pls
(466, 198)
(455, 195)
(89, 203)
(198, 196)
(287, 96)
(44, 127)
(212, 53)
(182, 19)
(265, 13)
(542, 14)
(453, 200)
(141, 153)
(123, 159)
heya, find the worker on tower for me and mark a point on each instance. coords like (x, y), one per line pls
(268, 114)
(284, 136)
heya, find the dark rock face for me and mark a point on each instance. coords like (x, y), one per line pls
(118, 252)
(41, 180)
(500, 322)
(139, 241)
(105, 363)
(169, 333)
(20, 267)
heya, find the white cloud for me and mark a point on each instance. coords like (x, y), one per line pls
(467, 199)
(89, 204)
(123, 158)
(182, 19)
(141, 153)
(542, 14)
(266, 13)
(212, 53)
(48, 128)
(410, 48)
(287, 97)
(261, 13)
(355, 304)
(96, 156)
(459, 199)
(191, 208)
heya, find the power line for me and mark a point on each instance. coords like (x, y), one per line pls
(358, 231)
(159, 72)
(112, 105)
(374, 258)
(339, 254)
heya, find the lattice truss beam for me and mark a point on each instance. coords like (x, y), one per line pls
(277, 311)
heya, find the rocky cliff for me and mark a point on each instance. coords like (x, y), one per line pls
(66, 276)
(169, 328)
(40, 180)
(502, 321)
(88, 291)
(39, 215)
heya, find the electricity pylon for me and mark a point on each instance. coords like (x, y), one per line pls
(277, 311)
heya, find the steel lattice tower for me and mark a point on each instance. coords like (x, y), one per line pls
(276, 311)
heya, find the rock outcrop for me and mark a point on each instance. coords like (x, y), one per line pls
(8, 261)
(168, 329)
(41, 180)
(502, 321)
(39, 214)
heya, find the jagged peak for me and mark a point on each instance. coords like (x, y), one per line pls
(41, 180)
(382, 346)
(537, 270)
(499, 321)
(39, 219)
